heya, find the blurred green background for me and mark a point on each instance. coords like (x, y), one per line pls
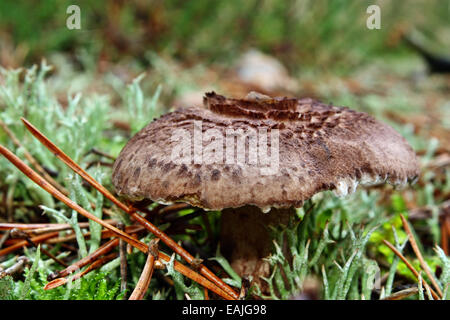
(319, 33)
(194, 46)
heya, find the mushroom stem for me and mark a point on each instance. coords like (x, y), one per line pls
(246, 241)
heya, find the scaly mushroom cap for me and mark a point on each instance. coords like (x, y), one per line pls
(321, 147)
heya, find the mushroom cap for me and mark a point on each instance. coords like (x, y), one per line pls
(320, 147)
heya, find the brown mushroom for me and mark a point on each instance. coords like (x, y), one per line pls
(207, 157)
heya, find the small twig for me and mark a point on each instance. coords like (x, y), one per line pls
(187, 272)
(95, 265)
(102, 250)
(4, 238)
(31, 226)
(15, 268)
(100, 153)
(400, 295)
(146, 275)
(415, 247)
(104, 234)
(16, 233)
(174, 208)
(66, 238)
(22, 243)
(123, 263)
(191, 274)
(410, 267)
(99, 163)
(35, 232)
